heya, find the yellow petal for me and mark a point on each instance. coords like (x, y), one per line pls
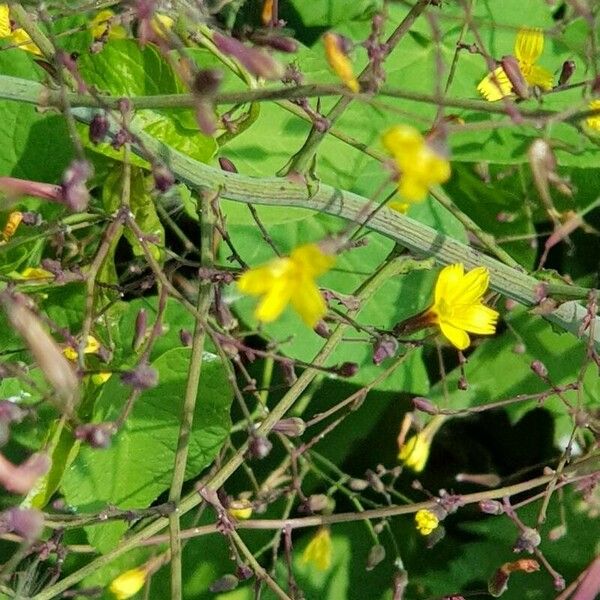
(4, 21)
(104, 24)
(594, 121)
(447, 280)
(34, 274)
(319, 550)
(258, 280)
(339, 62)
(161, 24)
(274, 301)
(426, 521)
(311, 260)
(21, 39)
(128, 584)
(101, 378)
(540, 77)
(470, 288)
(309, 303)
(401, 207)
(457, 337)
(415, 452)
(478, 318)
(529, 45)
(495, 85)
(412, 188)
(240, 509)
(402, 139)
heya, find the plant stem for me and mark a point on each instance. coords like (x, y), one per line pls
(191, 391)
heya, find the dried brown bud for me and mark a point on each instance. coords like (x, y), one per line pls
(528, 541)
(491, 507)
(292, 426)
(376, 555)
(566, 72)
(227, 165)
(207, 82)
(347, 369)
(98, 128)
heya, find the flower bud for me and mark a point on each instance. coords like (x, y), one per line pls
(227, 165)
(322, 330)
(75, 193)
(243, 572)
(292, 426)
(358, 485)
(185, 337)
(96, 435)
(376, 555)
(347, 369)
(425, 405)
(25, 522)
(528, 541)
(566, 72)
(259, 447)
(491, 507)
(539, 368)
(163, 178)
(513, 72)
(224, 584)
(98, 128)
(207, 82)
(143, 377)
(141, 321)
(384, 347)
(276, 42)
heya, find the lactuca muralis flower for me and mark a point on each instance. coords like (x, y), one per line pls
(419, 166)
(289, 280)
(414, 452)
(528, 49)
(18, 37)
(339, 61)
(128, 584)
(426, 521)
(319, 550)
(92, 345)
(458, 308)
(594, 120)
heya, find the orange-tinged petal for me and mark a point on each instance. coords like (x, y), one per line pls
(457, 337)
(540, 77)
(529, 45)
(4, 21)
(495, 85)
(309, 303)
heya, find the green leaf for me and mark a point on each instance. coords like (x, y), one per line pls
(137, 467)
(327, 13)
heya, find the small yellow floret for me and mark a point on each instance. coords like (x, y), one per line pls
(419, 166)
(128, 584)
(426, 521)
(319, 550)
(594, 121)
(92, 346)
(240, 509)
(289, 280)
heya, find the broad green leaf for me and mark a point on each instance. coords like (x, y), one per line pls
(328, 13)
(138, 465)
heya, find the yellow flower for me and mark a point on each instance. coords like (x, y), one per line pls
(289, 280)
(92, 346)
(339, 62)
(5, 29)
(415, 451)
(594, 121)
(419, 165)
(12, 223)
(161, 24)
(399, 206)
(105, 24)
(128, 584)
(240, 509)
(101, 378)
(458, 308)
(33, 274)
(528, 49)
(426, 521)
(318, 551)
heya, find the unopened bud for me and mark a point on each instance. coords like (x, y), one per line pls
(528, 541)
(25, 522)
(259, 447)
(491, 507)
(539, 368)
(143, 377)
(566, 72)
(185, 338)
(519, 348)
(358, 485)
(277, 42)
(376, 555)
(317, 503)
(227, 165)
(322, 329)
(224, 584)
(425, 405)
(96, 435)
(384, 347)
(256, 61)
(163, 178)
(207, 82)
(292, 427)
(559, 583)
(98, 129)
(75, 193)
(141, 321)
(513, 72)
(462, 384)
(243, 572)
(347, 369)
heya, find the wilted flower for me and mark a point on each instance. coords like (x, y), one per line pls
(419, 166)
(106, 25)
(12, 223)
(289, 280)
(528, 49)
(319, 550)
(129, 583)
(426, 521)
(339, 61)
(92, 345)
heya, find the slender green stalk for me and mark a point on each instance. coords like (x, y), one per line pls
(191, 392)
